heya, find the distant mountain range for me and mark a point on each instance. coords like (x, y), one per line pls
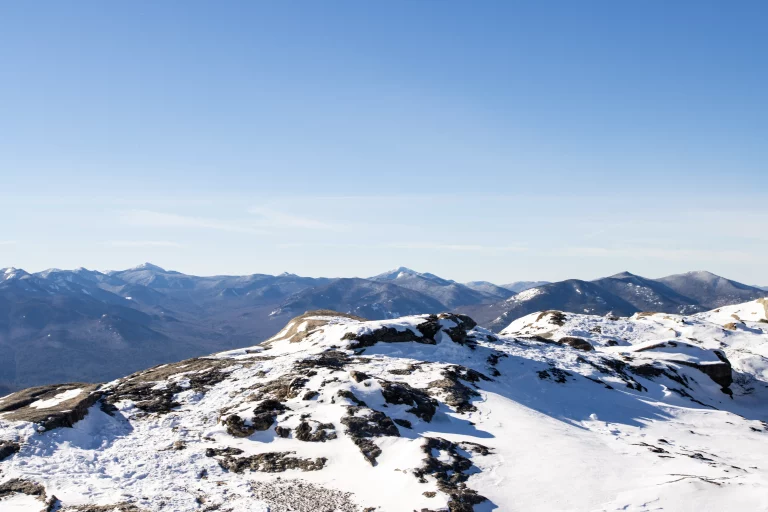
(70, 325)
(621, 295)
(520, 286)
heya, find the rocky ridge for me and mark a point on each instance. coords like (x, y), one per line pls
(337, 411)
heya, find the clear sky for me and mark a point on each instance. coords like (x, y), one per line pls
(496, 140)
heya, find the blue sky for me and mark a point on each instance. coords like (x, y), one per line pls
(476, 140)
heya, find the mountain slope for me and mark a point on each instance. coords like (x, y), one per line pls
(647, 294)
(448, 293)
(710, 290)
(333, 413)
(60, 325)
(519, 286)
(490, 289)
(570, 295)
(361, 297)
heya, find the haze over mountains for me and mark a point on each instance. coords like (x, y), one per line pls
(84, 325)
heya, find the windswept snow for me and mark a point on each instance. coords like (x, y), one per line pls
(561, 412)
(525, 295)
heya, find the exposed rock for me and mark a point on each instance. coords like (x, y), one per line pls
(283, 432)
(577, 343)
(365, 422)
(450, 476)
(359, 376)
(302, 326)
(403, 423)
(263, 418)
(405, 371)
(555, 317)
(309, 395)
(453, 391)
(362, 424)
(494, 358)
(386, 335)
(118, 507)
(556, 374)
(651, 370)
(142, 388)
(229, 450)
(270, 462)
(282, 388)
(315, 432)
(53, 406)
(21, 486)
(265, 412)
(398, 393)
(8, 448)
(345, 393)
(458, 333)
(427, 330)
(721, 372)
(294, 495)
(331, 359)
(237, 427)
(475, 448)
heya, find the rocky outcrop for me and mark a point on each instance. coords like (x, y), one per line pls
(270, 462)
(311, 431)
(721, 373)
(263, 418)
(118, 507)
(54, 406)
(422, 405)
(451, 471)
(21, 486)
(142, 388)
(427, 331)
(451, 390)
(30, 488)
(553, 317)
(363, 424)
(303, 326)
(577, 343)
(8, 448)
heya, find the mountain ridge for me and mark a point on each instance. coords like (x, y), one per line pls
(60, 325)
(334, 412)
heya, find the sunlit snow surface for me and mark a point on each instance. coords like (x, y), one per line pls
(563, 434)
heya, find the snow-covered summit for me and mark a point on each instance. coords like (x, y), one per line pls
(560, 412)
(403, 273)
(9, 273)
(148, 266)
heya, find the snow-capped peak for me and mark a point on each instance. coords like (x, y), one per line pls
(148, 266)
(12, 273)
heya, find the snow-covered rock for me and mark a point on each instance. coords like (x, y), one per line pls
(560, 411)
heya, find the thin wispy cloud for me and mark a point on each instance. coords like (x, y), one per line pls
(661, 254)
(268, 217)
(154, 219)
(142, 243)
(8, 242)
(411, 246)
(456, 247)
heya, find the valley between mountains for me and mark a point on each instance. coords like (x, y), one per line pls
(432, 412)
(84, 325)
